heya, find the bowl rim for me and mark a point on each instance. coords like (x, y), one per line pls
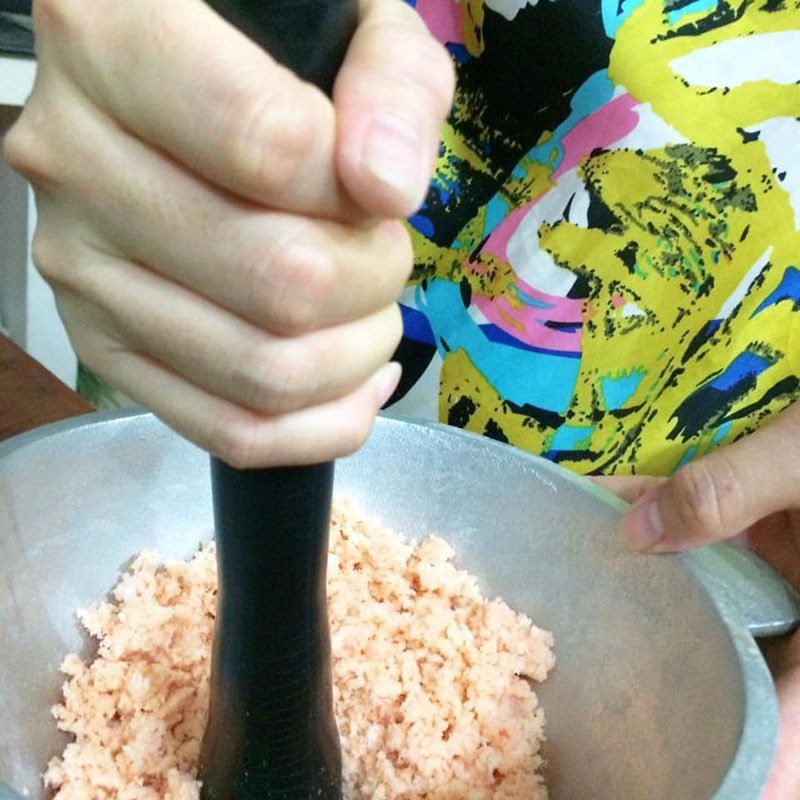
(758, 739)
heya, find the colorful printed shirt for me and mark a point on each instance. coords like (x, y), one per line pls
(608, 261)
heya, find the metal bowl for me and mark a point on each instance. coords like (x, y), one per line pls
(659, 691)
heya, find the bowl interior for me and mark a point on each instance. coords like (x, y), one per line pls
(647, 698)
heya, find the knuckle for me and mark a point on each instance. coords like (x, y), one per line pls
(67, 21)
(94, 349)
(26, 150)
(83, 343)
(704, 497)
(51, 257)
(86, 355)
(18, 146)
(43, 252)
(268, 139)
(94, 354)
(56, 15)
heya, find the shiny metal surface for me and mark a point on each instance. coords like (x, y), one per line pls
(658, 692)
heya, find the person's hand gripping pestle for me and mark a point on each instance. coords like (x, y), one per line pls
(271, 730)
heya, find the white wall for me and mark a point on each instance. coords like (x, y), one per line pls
(45, 337)
(13, 244)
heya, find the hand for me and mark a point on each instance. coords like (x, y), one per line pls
(224, 241)
(749, 490)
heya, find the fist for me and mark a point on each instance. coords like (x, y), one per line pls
(224, 241)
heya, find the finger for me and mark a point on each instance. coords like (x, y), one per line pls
(240, 437)
(392, 96)
(720, 495)
(282, 272)
(782, 653)
(784, 779)
(775, 539)
(182, 79)
(629, 487)
(233, 359)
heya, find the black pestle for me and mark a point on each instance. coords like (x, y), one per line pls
(271, 731)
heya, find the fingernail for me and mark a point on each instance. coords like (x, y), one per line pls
(392, 153)
(388, 378)
(642, 527)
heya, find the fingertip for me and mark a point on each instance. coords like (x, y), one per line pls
(392, 96)
(642, 527)
(386, 381)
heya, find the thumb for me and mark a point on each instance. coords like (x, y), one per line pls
(392, 96)
(722, 494)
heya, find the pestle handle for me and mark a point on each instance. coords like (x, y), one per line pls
(309, 37)
(271, 732)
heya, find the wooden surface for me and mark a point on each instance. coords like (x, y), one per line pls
(30, 395)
